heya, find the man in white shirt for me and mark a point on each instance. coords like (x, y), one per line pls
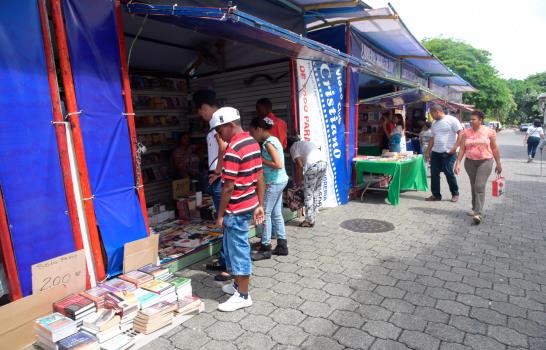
(206, 104)
(441, 151)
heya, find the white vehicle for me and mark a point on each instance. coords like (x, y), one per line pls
(495, 126)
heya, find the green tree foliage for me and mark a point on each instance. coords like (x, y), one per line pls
(474, 65)
(525, 94)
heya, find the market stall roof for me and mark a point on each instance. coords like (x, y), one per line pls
(239, 26)
(460, 106)
(401, 98)
(384, 29)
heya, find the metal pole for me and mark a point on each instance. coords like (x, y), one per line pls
(60, 133)
(294, 94)
(127, 99)
(74, 118)
(8, 258)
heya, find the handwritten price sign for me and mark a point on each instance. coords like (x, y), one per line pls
(68, 270)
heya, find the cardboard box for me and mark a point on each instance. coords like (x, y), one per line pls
(181, 188)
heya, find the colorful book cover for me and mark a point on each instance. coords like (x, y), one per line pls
(159, 309)
(75, 341)
(118, 285)
(73, 304)
(178, 282)
(149, 268)
(137, 276)
(54, 322)
(157, 286)
(144, 296)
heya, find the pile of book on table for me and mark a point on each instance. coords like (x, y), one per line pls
(98, 317)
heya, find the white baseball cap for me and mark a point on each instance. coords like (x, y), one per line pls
(223, 116)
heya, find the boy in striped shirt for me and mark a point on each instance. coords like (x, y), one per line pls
(242, 197)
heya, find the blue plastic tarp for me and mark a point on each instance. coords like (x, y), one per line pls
(94, 54)
(30, 172)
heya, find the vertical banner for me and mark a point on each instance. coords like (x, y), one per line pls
(321, 88)
(353, 117)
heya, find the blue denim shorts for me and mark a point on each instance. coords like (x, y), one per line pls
(236, 244)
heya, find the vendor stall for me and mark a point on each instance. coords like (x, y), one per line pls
(405, 173)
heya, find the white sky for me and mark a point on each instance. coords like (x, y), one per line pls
(513, 31)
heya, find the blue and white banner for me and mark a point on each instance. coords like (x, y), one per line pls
(321, 94)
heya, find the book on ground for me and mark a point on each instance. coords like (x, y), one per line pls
(158, 287)
(118, 285)
(190, 305)
(74, 305)
(120, 342)
(55, 327)
(102, 320)
(79, 341)
(137, 277)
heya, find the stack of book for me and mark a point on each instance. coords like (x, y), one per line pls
(182, 286)
(96, 294)
(158, 272)
(75, 306)
(153, 318)
(121, 342)
(52, 328)
(118, 285)
(146, 298)
(103, 326)
(166, 291)
(138, 278)
(189, 305)
(126, 306)
(79, 341)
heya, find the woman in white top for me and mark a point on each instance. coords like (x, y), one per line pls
(534, 134)
(310, 171)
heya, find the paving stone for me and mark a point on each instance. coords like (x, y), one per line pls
(382, 344)
(366, 297)
(261, 308)
(353, 338)
(218, 345)
(252, 341)
(310, 282)
(403, 275)
(469, 325)
(313, 294)
(361, 284)
(507, 336)
(453, 346)
(537, 343)
(286, 267)
(374, 312)
(527, 303)
(398, 305)
(488, 316)
(257, 323)
(201, 322)
(527, 327)
(338, 289)
(408, 322)
(318, 326)
(315, 309)
(419, 341)
(157, 344)
(473, 300)
(381, 329)
(440, 293)
(286, 288)
(234, 316)
(287, 316)
(224, 331)
(288, 335)
(430, 281)
(508, 309)
(321, 343)
(390, 292)
(453, 307)
(490, 294)
(431, 314)
(382, 280)
(286, 300)
(477, 282)
(538, 317)
(342, 303)
(445, 332)
(264, 272)
(420, 299)
(460, 287)
(262, 282)
(347, 318)
(410, 286)
(189, 339)
(509, 289)
(480, 342)
(448, 276)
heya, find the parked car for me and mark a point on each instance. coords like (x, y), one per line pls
(497, 126)
(524, 126)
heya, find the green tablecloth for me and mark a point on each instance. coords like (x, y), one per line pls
(369, 150)
(406, 175)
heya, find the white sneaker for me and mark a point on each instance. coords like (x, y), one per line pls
(229, 289)
(235, 302)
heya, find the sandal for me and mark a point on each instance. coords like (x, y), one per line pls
(223, 277)
(215, 267)
(306, 224)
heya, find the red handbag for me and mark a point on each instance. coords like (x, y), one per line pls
(498, 186)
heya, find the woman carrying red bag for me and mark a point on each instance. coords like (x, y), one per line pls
(479, 145)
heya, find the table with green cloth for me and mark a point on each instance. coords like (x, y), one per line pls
(408, 174)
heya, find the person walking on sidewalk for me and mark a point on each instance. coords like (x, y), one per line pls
(276, 180)
(242, 198)
(310, 171)
(441, 152)
(206, 104)
(479, 147)
(534, 134)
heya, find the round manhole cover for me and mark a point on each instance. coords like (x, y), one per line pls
(367, 225)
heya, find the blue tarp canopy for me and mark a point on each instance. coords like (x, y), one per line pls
(401, 98)
(235, 25)
(384, 29)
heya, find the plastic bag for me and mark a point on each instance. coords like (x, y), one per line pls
(498, 186)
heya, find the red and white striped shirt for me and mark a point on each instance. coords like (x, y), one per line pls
(243, 165)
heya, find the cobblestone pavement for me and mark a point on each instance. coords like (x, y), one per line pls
(435, 282)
